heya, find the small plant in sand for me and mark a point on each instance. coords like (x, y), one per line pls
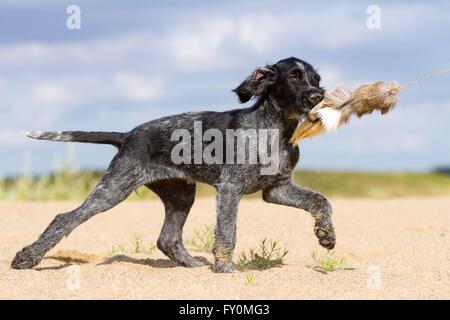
(267, 256)
(202, 240)
(137, 246)
(136, 242)
(250, 280)
(115, 249)
(328, 262)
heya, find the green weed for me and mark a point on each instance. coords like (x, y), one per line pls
(328, 262)
(202, 240)
(268, 255)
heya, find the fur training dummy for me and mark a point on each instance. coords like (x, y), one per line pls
(340, 104)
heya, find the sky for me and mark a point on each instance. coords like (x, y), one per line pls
(134, 61)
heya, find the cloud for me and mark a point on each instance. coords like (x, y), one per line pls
(199, 44)
(212, 43)
(3, 84)
(45, 103)
(89, 53)
(51, 94)
(11, 137)
(219, 40)
(51, 80)
(330, 77)
(138, 88)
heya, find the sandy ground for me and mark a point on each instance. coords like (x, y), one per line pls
(395, 249)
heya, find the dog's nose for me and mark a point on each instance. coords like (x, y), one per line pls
(315, 97)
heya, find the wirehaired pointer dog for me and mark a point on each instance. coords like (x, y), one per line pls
(284, 93)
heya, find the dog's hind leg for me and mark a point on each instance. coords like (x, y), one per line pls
(178, 196)
(122, 177)
(317, 205)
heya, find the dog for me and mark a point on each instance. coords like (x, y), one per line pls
(284, 93)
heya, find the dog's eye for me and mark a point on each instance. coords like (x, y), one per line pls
(297, 76)
(317, 78)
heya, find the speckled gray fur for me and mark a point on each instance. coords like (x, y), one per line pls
(284, 94)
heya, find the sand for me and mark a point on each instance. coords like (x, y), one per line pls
(395, 249)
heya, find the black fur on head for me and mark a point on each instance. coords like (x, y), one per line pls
(293, 83)
(256, 84)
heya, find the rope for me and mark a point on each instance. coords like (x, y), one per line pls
(427, 77)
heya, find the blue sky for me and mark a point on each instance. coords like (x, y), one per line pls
(133, 61)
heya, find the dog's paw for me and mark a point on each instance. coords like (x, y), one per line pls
(192, 262)
(326, 236)
(24, 259)
(223, 267)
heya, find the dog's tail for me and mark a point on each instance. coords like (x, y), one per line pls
(113, 138)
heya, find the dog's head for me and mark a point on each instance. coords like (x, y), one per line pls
(293, 83)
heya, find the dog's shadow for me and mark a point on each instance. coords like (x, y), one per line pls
(155, 263)
(67, 262)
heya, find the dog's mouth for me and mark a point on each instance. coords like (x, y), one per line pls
(306, 104)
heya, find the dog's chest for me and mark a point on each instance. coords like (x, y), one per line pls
(256, 180)
(289, 157)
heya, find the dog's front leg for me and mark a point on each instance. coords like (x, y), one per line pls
(290, 195)
(228, 196)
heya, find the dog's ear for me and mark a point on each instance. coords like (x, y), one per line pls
(256, 84)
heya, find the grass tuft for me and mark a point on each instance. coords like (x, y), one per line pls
(268, 255)
(250, 280)
(328, 262)
(202, 240)
(137, 246)
(136, 242)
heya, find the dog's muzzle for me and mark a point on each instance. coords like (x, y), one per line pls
(311, 99)
(315, 97)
